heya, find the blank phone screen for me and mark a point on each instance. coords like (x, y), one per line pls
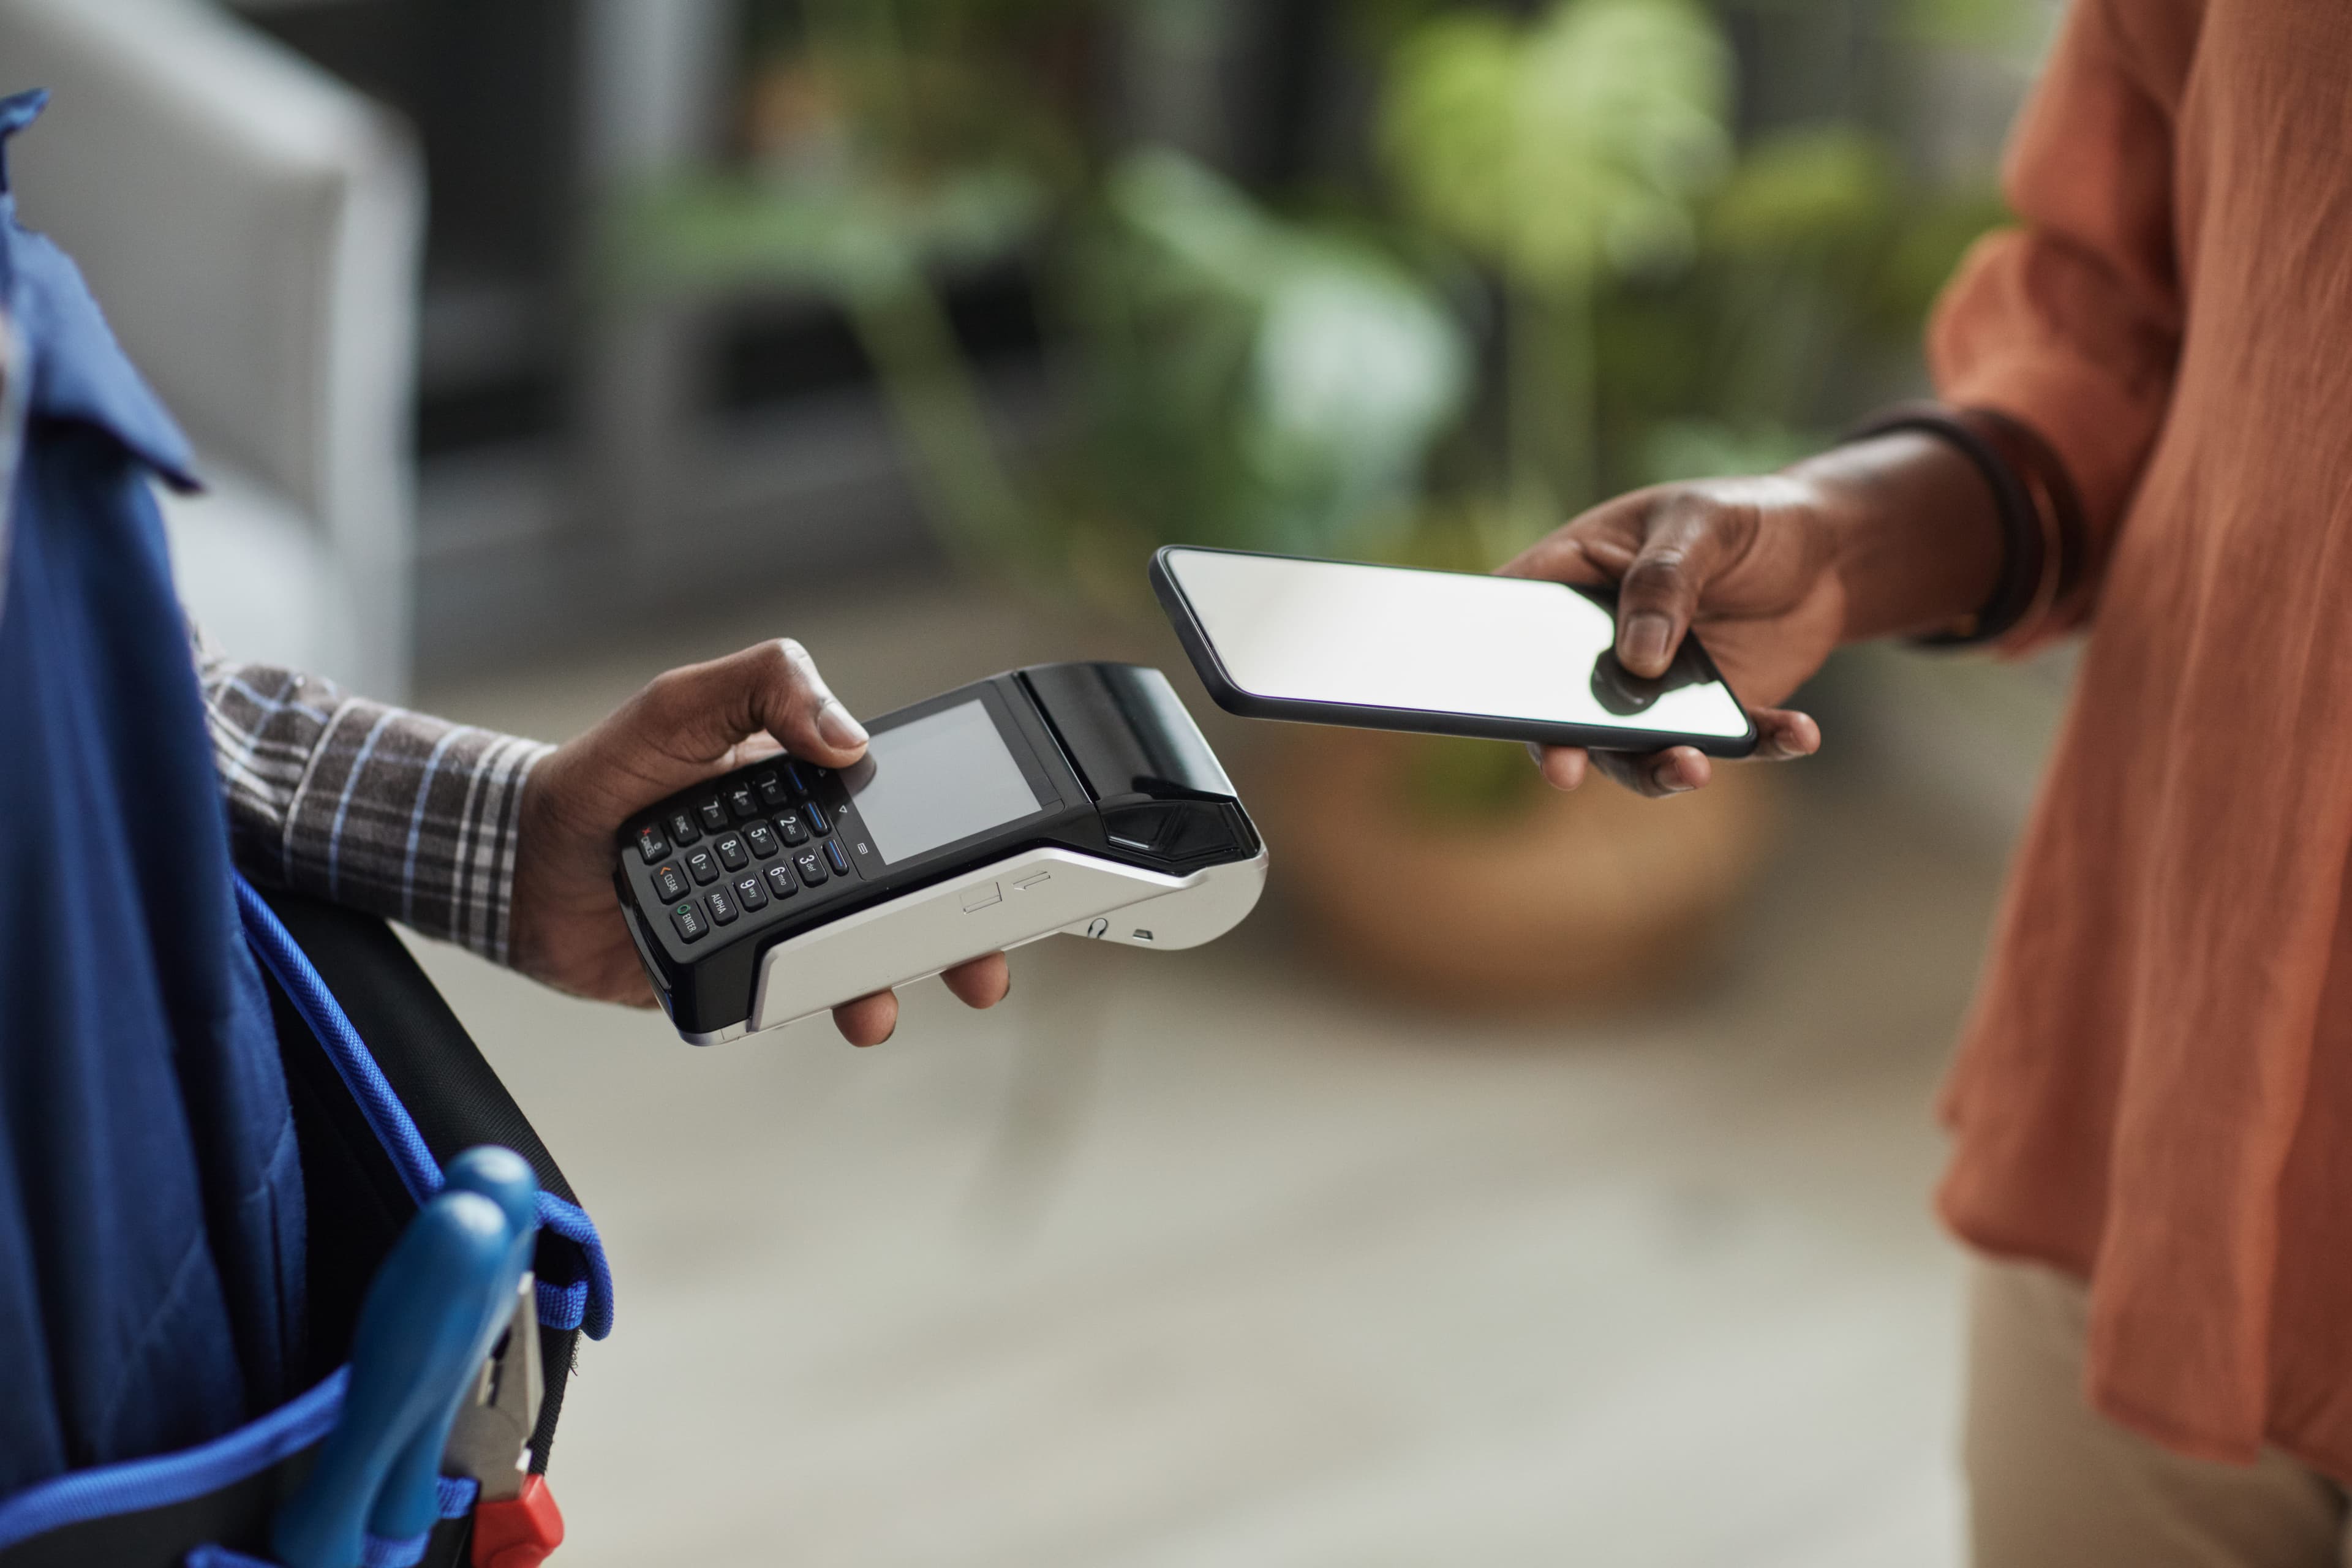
(1436, 642)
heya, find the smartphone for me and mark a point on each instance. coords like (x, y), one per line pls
(1445, 653)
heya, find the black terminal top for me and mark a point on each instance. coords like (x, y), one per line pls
(1101, 758)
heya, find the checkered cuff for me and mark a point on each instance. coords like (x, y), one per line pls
(405, 815)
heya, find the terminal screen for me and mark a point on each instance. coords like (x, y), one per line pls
(939, 779)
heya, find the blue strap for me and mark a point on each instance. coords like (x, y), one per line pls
(142, 1484)
(586, 1305)
(375, 1550)
(136, 1485)
(561, 1306)
(583, 1304)
(386, 1117)
(384, 1551)
(458, 1495)
(211, 1556)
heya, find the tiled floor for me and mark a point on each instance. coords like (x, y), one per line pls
(1199, 1259)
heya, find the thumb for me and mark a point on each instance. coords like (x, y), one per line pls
(1658, 597)
(689, 719)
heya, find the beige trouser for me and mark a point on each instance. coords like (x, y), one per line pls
(2052, 1484)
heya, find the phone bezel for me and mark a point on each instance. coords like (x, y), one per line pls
(1231, 697)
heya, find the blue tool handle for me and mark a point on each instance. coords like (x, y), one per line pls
(410, 1499)
(416, 1339)
(506, 1178)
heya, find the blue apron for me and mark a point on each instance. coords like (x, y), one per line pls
(150, 1197)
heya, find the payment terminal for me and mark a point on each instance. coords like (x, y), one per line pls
(1078, 798)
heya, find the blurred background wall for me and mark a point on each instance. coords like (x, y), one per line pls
(1534, 1180)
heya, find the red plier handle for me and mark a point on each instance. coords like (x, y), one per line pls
(520, 1532)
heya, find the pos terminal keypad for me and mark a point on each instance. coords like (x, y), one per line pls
(752, 840)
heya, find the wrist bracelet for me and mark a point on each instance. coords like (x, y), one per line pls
(2037, 464)
(2043, 544)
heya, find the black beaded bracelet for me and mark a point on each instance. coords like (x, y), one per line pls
(2025, 546)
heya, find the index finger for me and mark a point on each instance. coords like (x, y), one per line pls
(1563, 767)
(1591, 550)
(1656, 775)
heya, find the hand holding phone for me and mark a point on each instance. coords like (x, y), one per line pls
(1656, 704)
(1774, 572)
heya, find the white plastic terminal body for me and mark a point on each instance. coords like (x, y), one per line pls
(1018, 899)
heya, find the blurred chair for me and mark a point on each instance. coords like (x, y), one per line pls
(253, 229)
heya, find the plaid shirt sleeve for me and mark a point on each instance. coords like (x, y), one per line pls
(405, 815)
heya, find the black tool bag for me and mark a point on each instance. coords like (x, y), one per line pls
(386, 1087)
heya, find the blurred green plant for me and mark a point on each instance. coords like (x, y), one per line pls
(1673, 304)
(1560, 154)
(1251, 381)
(1575, 276)
(1817, 261)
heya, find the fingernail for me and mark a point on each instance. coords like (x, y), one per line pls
(834, 722)
(1668, 776)
(1645, 642)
